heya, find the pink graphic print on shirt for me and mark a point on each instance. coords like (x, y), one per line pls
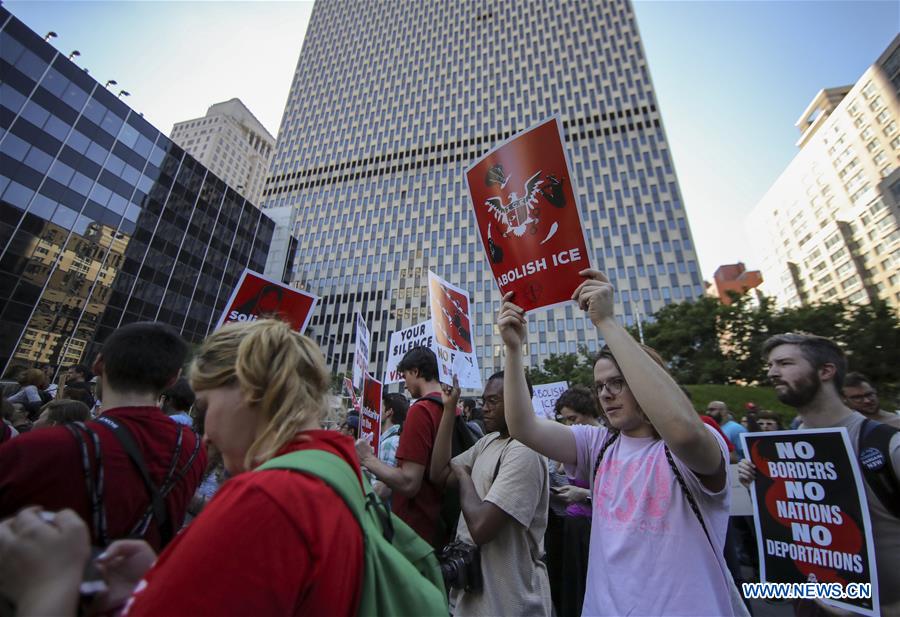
(634, 495)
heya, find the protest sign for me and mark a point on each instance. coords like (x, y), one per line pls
(419, 335)
(256, 296)
(361, 355)
(528, 217)
(545, 397)
(348, 386)
(452, 323)
(370, 414)
(811, 513)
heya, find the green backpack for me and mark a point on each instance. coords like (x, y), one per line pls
(401, 575)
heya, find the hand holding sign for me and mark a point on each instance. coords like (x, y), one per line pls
(512, 323)
(595, 296)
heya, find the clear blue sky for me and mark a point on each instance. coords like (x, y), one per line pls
(731, 77)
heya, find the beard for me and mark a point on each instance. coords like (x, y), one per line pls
(801, 393)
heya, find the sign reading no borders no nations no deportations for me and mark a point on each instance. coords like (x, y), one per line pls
(528, 218)
(255, 297)
(812, 517)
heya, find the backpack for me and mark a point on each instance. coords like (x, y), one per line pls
(874, 455)
(401, 575)
(463, 439)
(156, 510)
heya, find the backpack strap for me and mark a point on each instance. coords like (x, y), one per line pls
(609, 441)
(93, 482)
(126, 440)
(336, 473)
(874, 455)
(687, 493)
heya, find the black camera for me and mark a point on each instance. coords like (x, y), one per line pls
(461, 566)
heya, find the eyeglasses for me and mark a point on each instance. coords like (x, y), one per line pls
(491, 401)
(859, 398)
(613, 386)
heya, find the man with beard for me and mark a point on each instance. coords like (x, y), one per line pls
(860, 395)
(808, 374)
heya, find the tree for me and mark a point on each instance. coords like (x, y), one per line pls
(872, 343)
(687, 336)
(577, 369)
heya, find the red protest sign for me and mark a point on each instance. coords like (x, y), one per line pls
(370, 414)
(256, 296)
(528, 218)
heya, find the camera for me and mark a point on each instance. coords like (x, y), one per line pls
(461, 566)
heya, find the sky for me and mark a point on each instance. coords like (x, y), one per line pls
(731, 77)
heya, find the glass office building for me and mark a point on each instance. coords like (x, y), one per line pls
(390, 103)
(103, 220)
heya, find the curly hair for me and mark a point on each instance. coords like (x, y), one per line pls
(579, 399)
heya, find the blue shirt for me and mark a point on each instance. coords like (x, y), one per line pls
(732, 430)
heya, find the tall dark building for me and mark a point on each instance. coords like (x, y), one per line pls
(392, 101)
(103, 220)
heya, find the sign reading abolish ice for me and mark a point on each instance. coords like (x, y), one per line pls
(528, 218)
(256, 296)
(370, 414)
(419, 335)
(361, 355)
(812, 517)
(450, 318)
(545, 397)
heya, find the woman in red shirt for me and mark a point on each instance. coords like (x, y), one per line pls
(276, 542)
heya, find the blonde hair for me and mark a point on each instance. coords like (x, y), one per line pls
(280, 372)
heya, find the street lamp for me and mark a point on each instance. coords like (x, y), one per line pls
(111, 82)
(50, 35)
(75, 53)
(124, 93)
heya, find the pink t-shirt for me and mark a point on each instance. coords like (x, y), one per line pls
(648, 554)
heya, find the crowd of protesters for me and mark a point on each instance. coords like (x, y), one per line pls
(145, 467)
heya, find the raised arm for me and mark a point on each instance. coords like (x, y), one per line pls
(439, 472)
(660, 398)
(548, 438)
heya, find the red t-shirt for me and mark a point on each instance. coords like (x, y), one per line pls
(44, 467)
(423, 511)
(711, 421)
(273, 542)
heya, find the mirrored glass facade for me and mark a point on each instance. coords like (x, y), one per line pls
(103, 220)
(391, 102)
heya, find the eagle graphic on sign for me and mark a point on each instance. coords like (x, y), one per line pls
(521, 214)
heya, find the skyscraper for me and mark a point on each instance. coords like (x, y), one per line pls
(392, 101)
(829, 228)
(232, 143)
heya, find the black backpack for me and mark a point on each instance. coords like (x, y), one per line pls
(463, 439)
(874, 455)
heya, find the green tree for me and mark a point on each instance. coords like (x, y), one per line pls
(577, 369)
(686, 334)
(743, 327)
(872, 343)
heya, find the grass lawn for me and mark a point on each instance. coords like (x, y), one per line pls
(737, 396)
